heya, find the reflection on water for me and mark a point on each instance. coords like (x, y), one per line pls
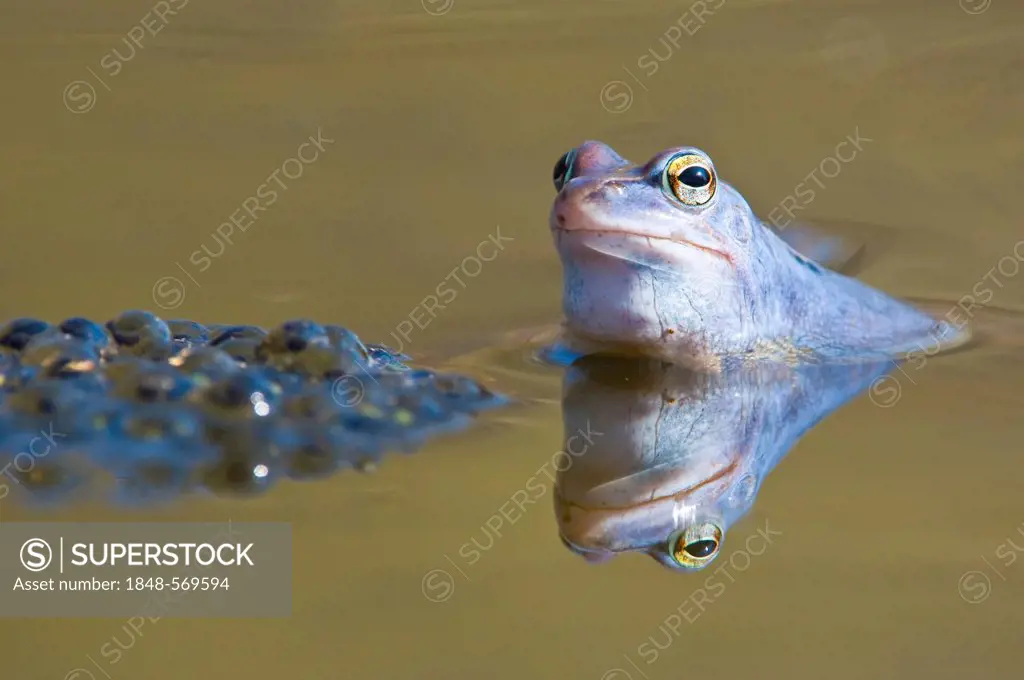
(682, 455)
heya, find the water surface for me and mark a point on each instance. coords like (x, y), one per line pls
(443, 132)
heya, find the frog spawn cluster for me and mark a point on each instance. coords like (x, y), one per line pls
(156, 408)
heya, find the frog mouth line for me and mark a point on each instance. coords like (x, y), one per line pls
(620, 232)
(725, 472)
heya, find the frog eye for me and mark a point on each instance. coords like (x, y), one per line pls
(563, 169)
(695, 546)
(690, 178)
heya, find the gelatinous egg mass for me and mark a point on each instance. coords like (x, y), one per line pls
(163, 407)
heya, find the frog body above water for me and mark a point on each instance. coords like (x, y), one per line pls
(665, 260)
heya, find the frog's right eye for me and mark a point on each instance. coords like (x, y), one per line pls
(695, 546)
(690, 178)
(563, 169)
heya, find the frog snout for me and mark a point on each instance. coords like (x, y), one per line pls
(584, 198)
(608, 189)
(591, 190)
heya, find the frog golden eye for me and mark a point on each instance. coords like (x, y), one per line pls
(695, 546)
(690, 179)
(563, 169)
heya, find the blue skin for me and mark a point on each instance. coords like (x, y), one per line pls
(660, 267)
(682, 454)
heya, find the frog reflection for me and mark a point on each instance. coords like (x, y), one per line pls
(682, 455)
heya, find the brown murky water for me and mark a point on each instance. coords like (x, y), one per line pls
(437, 131)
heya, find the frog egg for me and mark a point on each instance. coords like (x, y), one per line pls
(427, 407)
(10, 368)
(147, 382)
(42, 477)
(318, 362)
(186, 334)
(17, 333)
(369, 419)
(153, 469)
(465, 393)
(243, 394)
(285, 346)
(152, 478)
(315, 403)
(418, 378)
(55, 406)
(89, 332)
(44, 398)
(294, 336)
(320, 452)
(432, 416)
(94, 383)
(208, 362)
(390, 387)
(387, 428)
(250, 457)
(141, 334)
(17, 377)
(160, 423)
(242, 350)
(348, 344)
(56, 356)
(313, 454)
(226, 333)
(384, 389)
(284, 382)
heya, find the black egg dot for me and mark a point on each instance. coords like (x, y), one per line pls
(701, 548)
(86, 330)
(234, 395)
(147, 393)
(695, 176)
(17, 333)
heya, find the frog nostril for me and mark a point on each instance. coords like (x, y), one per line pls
(607, 190)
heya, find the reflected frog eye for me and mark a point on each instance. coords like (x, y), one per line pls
(690, 179)
(695, 546)
(563, 169)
